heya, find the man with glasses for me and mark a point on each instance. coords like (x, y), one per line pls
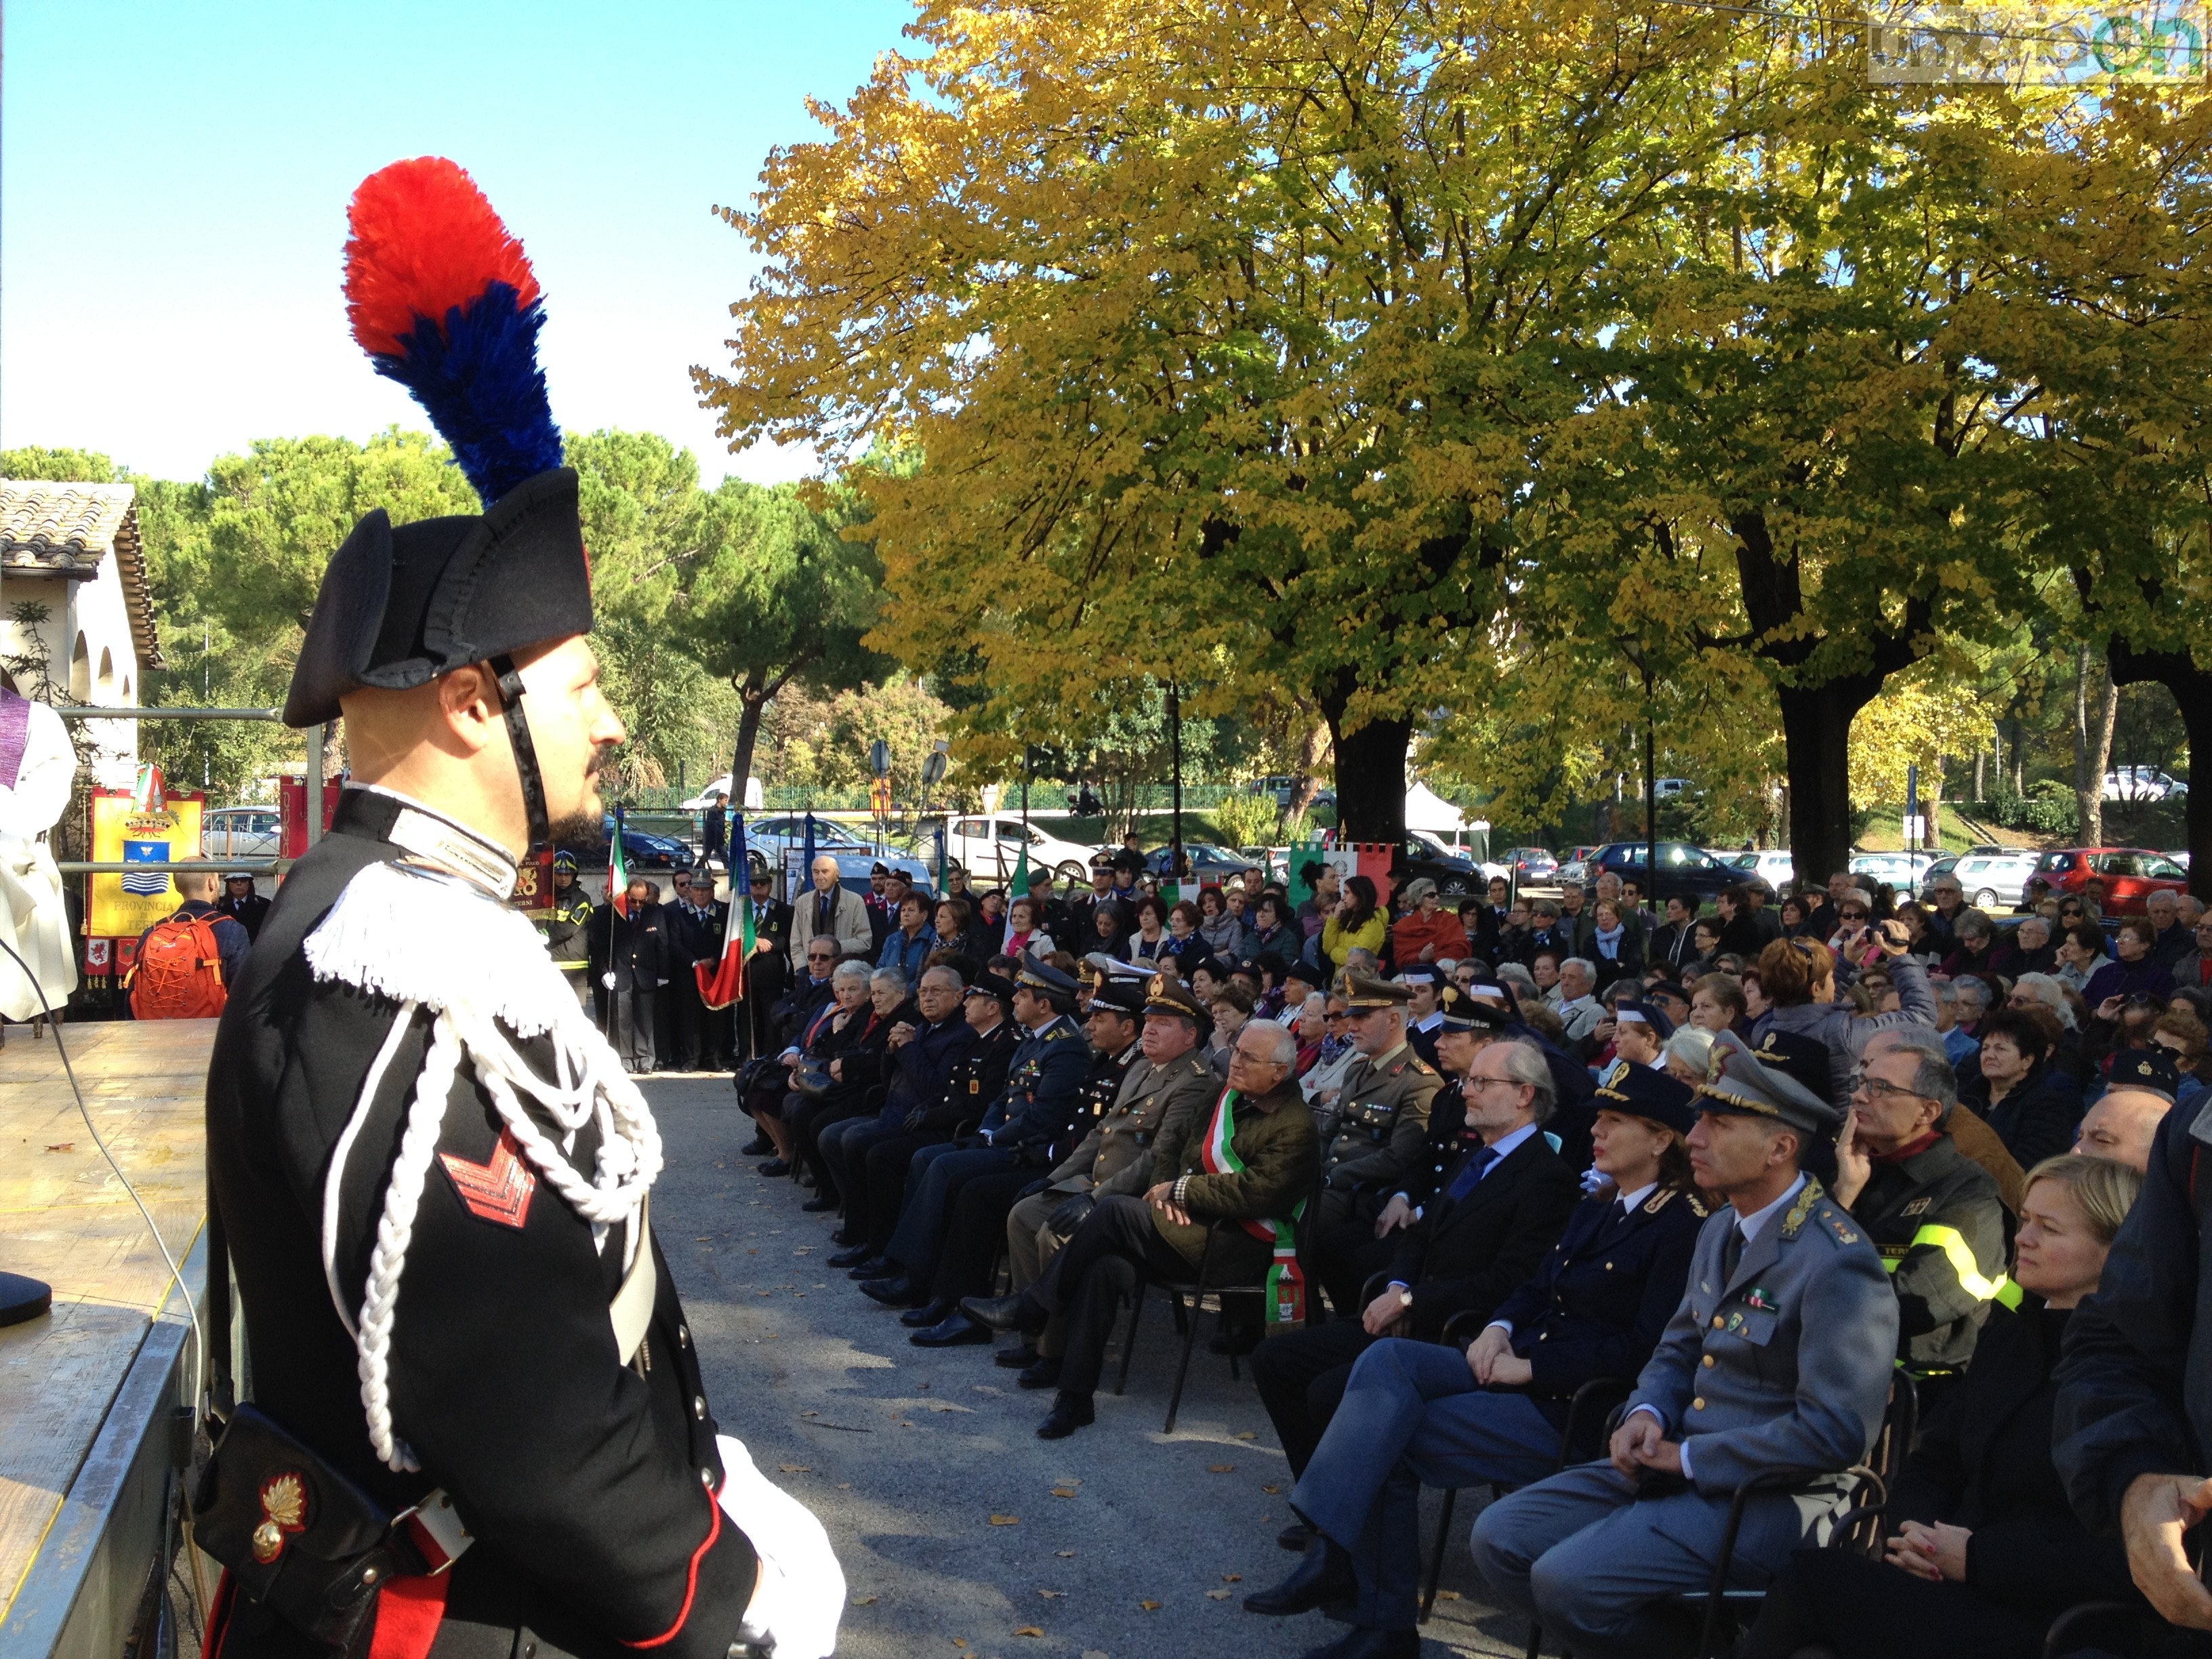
(1933, 1212)
(2193, 968)
(1375, 1143)
(1946, 899)
(1250, 1162)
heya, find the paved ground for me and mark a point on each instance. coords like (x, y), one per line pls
(962, 1534)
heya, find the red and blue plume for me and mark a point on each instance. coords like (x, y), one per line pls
(443, 300)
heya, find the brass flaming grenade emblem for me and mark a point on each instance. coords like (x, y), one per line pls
(284, 1510)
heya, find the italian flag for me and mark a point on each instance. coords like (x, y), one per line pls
(618, 870)
(723, 983)
(1286, 1280)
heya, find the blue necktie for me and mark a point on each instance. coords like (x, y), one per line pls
(1470, 1172)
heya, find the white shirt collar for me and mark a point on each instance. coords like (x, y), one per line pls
(1629, 1201)
(1751, 1226)
(1500, 1148)
(1431, 1023)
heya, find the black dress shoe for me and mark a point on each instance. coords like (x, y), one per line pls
(1017, 1359)
(758, 1146)
(1069, 1413)
(1372, 1644)
(1045, 1374)
(1019, 1312)
(876, 1267)
(895, 1292)
(859, 1252)
(776, 1166)
(1323, 1577)
(931, 1312)
(1296, 1536)
(845, 1236)
(817, 1206)
(955, 1330)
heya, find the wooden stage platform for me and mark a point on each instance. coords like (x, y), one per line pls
(88, 1437)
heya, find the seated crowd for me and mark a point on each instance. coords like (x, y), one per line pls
(1664, 1225)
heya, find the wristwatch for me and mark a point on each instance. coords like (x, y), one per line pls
(1404, 1296)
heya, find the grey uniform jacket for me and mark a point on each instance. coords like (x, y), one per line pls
(1380, 1132)
(1786, 1363)
(1116, 1155)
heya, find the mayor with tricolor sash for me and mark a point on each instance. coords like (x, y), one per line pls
(1251, 1162)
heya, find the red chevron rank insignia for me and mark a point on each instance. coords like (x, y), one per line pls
(500, 1190)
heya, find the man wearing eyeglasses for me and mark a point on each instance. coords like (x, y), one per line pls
(1932, 1212)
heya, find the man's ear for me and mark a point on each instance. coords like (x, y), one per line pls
(468, 700)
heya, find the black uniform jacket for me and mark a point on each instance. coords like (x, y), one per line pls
(1468, 1254)
(639, 946)
(249, 912)
(1604, 1292)
(979, 1077)
(1937, 1218)
(588, 1486)
(1983, 1462)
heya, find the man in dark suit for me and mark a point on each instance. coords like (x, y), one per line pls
(636, 947)
(695, 935)
(246, 908)
(1503, 1206)
(768, 971)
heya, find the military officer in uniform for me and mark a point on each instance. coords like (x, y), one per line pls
(1043, 1090)
(1493, 1410)
(1778, 1357)
(1932, 1212)
(1379, 1135)
(1159, 1095)
(478, 1423)
(1111, 1024)
(242, 904)
(564, 929)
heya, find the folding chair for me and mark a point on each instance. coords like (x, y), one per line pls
(1187, 1323)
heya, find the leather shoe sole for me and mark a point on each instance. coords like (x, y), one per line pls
(1324, 1576)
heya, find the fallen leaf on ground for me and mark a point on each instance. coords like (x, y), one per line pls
(810, 1413)
(1052, 1595)
(864, 1600)
(1063, 1491)
(1063, 1554)
(62, 1146)
(1218, 1595)
(1027, 1630)
(1232, 1577)
(796, 1469)
(1005, 1520)
(1247, 1434)
(844, 1485)
(1221, 1468)
(1447, 1596)
(1149, 1606)
(1271, 1490)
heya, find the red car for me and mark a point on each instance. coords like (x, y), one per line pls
(2130, 875)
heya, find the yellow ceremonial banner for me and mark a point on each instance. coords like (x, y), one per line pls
(126, 905)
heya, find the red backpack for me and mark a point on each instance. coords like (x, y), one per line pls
(179, 974)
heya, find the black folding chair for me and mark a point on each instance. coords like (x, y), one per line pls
(1186, 1321)
(2066, 1632)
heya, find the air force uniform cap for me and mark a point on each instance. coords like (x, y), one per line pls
(1739, 1083)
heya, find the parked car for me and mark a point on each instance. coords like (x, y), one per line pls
(1685, 871)
(241, 832)
(1281, 785)
(1904, 872)
(1438, 848)
(992, 860)
(644, 850)
(2131, 874)
(1527, 864)
(1209, 864)
(1668, 788)
(2143, 783)
(1994, 879)
(1457, 875)
(1574, 864)
(781, 838)
(1776, 866)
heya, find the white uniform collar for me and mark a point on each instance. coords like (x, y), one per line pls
(446, 844)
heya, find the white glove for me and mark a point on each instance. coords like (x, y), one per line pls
(802, 1589)
(607, 979)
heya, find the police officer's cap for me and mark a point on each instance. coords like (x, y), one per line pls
(1740, 1084)
(1643, 1092)
(1420, 972)
(2151, 1070)
(1098, 968)
(1046, 981)
(1166, 994)
(1461, 1012)
(565, 859)
(1364, 991)
(879, 869)
(1645, 1013)
(1804, 1058)
(240, 875)
(1120, 996)
(992, 985)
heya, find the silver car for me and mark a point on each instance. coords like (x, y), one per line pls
(1993, 879)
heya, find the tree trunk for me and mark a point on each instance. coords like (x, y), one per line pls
(1816, 733)
(1305, 782)
(1931, 804)
(753, 694)
(1371, 775)
(2192, 694)
(2092, 748)
(1981, 755)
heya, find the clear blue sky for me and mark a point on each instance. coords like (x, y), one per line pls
(174, 177)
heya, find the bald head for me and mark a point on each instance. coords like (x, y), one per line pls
(824, 870)
(2121, 1125)
(200, 884)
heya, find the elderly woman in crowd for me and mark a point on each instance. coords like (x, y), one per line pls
(1978, 950)
(806, 1062)
(908, 945)
(1311, 1030)
(1025, 935)
(2136, 974)
(1614, 949)
(858, 1062)
(1324, 1080)
(1151, 941)
(1689, 1055)
(2080, 955)
(1427, 932)
(2031, 1105)
(1984, 1549)
(1276, 937)
(2183, 1036)
(1109, 932)
(1854, 941)
(1225, 932)
(1231, 1009)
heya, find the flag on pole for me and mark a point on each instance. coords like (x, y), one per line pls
(940, 858)
(723, 983)
(806, 869)
(618, 870)
(1020, 886)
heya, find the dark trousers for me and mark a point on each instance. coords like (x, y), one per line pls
(1344, 1251)
(767, 977)
(1859, 1606)
(699, 1035)
(1301, 1377)
(934, 1181)
(880, 1183)
(978, 1233)
(806, 1124)
(627, 1015)
(1088, 1278)
(845, 1150)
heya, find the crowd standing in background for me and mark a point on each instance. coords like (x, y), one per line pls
(1788, 1183)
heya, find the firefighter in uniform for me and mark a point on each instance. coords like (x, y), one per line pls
(1932, 1211)
(564, 929)
(1377, 1142)
(478, 1425)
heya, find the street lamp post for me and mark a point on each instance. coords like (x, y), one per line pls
(1175, 743)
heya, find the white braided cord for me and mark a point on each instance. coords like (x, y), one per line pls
(375, 942)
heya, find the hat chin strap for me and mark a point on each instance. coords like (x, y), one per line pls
(525, 752)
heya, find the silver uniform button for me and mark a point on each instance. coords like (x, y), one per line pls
(683, 1334)
(699, 1405)
(707, 1479)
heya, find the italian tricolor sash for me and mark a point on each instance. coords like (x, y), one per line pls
(1286, 1280)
